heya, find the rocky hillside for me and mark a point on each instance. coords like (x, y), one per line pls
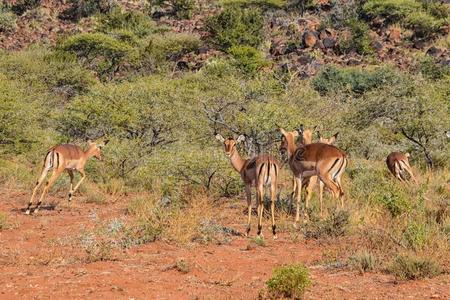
(297, 36)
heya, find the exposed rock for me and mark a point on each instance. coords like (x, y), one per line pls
(377, 45)
(394, 34)
(329, 42)
(434, 51)
(305, 59)
(309, 39)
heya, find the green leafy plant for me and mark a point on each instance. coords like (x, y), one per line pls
(248, 59)
(392, 10)
(84, 8)
(359, 39)
(7, 20)
(136, 22)
(413, 267)
(289, 281)
(235, 26)
(100, 52)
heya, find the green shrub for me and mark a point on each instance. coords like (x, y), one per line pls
(356, 80)
(413, 267)
(84, 8)
(169, 47)
(7, 20)
(423, 24)
(289, 281)
(363, 261)
(248, 59)
(182, 9)
(359, 40)
(134, 21)
(395, 201)
(21, 6)
(235, 26)
(100, 52)
(336, 224)
(432, 70)
(416, 235)
(392, 10)
(263, 4)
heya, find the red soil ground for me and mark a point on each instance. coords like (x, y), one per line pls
(37, 262)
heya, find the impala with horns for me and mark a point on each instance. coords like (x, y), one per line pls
(316, 159)
(260, 171)
(65, 157)
(398, 163)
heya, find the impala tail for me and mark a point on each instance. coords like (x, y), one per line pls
(268, 172)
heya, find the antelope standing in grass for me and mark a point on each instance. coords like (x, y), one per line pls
(306, 138)
(398, 163)
(65, 157)
(316, 159)
(260, 171)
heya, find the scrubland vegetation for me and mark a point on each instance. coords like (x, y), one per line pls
(161, 103)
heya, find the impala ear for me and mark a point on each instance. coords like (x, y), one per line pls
(300, 129)
(241, 138)
(220, 138)
(336, 135)
(296, 133)
(407, 155)
(319, 136)
(283, 132)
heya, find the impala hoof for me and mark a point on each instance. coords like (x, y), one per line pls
(275, 237)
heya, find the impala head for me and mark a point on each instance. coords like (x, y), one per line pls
(96, 148)
(230, 143)
(306, 134)
(330, 140)
(288, 138)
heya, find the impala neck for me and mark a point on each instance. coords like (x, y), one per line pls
(237, 161)
(291, 147)
(89, 152)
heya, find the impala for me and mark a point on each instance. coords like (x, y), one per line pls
(260, 171)
(316, 159)
(65, 157)
(398, 163)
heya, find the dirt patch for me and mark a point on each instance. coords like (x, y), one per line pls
(40, 257)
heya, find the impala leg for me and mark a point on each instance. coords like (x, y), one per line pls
(294, 187)
(273, 191)
(38, 184)
(298, 194)
(332, 185)
(71, 184)
(309, 190)
(260, 197)
(321, 185)
(408, 169)
(83, 176)
(248, 193)
(50, 182)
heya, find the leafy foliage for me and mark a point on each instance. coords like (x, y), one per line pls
(412, 267)
(289, 281)
(101, 52)
(136, 22)
(235, 26)
(85, 8)
(359, 39)
(392, 10)
(7, 20)
(248, 59)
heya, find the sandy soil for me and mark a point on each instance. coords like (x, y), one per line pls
(38, 261)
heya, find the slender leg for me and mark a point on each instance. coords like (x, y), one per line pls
(50, 182)
(331, 185)
(83, 176)
(298, 194)
(294, 186)
(273, 191)
(248, 192)
(309, 190)
(71, 184)
(260, 193)
(38, 184)
(408, 169)
(321, 185)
